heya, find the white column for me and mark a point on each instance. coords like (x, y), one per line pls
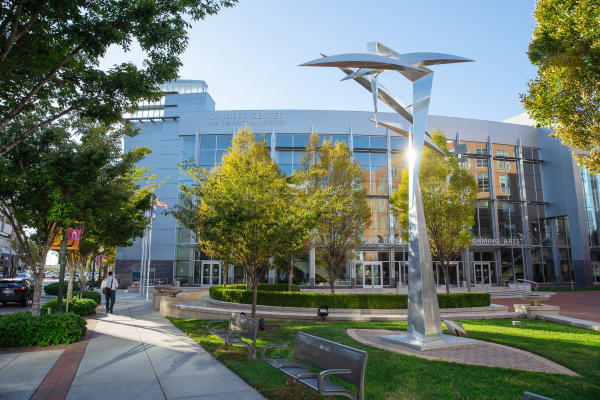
(311, 267)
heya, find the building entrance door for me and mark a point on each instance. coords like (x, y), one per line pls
(372, 274)
(401, 272)
(210, 273)
(483, 272)
(596, 271)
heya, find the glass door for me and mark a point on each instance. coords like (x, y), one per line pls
(372, 275)
(483, 273)
(401, 272)
(596, 271)
(211, 273)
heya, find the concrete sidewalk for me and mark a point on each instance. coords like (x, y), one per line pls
(136, 353)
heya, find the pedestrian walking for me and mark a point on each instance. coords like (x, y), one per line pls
(109, 288)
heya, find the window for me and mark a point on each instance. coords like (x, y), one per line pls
(483, 182)
(482, 162)
(504, 184)
(481, 151)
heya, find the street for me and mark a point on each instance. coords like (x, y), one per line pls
(10, 308)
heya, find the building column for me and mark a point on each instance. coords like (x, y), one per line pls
(555, 253)
(311, 267)
(271, 275)
(467, 268)
(393, 268)
(231, 275)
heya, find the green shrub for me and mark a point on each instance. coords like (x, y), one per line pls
(267, 287)
(24, 330)
(77, 306)
(342, 300)
(52, 288)
(96, 296)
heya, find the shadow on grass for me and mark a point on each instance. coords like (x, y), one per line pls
(392, 376)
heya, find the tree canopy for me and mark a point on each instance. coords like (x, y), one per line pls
(449, 194)
(238, 210)
(331, 180)
(50, 52)
(565, 95)
(53, 180)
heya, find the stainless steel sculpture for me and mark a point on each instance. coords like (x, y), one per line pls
(424, 326)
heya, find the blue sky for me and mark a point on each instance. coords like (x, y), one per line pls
(249, 54)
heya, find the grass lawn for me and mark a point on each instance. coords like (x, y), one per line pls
(396, 376)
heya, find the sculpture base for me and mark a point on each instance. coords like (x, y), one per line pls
(444, 342)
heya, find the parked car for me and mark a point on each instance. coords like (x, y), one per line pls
(16, 290)
(23, 275)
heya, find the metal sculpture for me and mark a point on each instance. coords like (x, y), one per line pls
(424, 326)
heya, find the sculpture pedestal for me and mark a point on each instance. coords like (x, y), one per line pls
(444, 342)
(532, 311)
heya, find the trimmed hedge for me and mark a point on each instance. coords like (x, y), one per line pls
(267, 287)
(24, 330)
(96, 296)
(342, 300)
(52, 288)
(77, 306)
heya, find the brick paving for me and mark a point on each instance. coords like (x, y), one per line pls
(57, 383)
(583, 304)
(478, 353)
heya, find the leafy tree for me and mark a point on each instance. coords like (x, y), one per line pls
(565, 95)
(449, 194)
(331, 179)
(50, 52)
(238, 210)
(53, 180)
(295, 229)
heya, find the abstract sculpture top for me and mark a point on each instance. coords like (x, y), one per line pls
(413, 66)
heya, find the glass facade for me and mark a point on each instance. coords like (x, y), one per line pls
(512, 238)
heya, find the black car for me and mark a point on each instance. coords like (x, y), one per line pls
(16, 290)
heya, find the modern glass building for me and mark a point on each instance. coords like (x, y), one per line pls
(536, 218)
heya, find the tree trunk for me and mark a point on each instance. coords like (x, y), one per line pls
(61, 274)
(254, 296)
(446, 277)
(37, 292)
(290, 277)
(70, 284)
(332, 282)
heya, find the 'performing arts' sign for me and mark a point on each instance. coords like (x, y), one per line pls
(482, 241)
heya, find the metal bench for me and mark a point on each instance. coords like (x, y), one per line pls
(239, 327)
(533, 396)
(330, 358)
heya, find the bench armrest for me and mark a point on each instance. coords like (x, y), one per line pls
(270, 346)
(324, 374)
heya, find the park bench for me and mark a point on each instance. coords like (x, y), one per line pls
(239, 327)
(329, 358)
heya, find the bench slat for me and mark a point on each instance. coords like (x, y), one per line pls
(325, 354)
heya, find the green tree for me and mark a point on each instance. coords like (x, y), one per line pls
(238, 209)
(449, 194)
(331, 179)
(295, 228)
(53, 180)
(50, 52)
(565, 95)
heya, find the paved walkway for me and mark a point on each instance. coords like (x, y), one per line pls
(22, 373)
(583, 304)
(136, 353)
(478, 353)
(132, 354)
